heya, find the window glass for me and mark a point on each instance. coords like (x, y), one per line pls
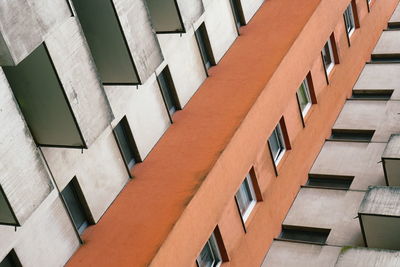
(6, 214)
(303, 95)
(11, 260)
(125, 142)
(246, 197)
(202, 38)
(166, 87)
(349, 19)
(327, 54)
(277, 143)
(75, 207)
(209, 255)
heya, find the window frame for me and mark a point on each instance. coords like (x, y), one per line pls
(281, 140)
(12, 257)
(204, 45)
(212, 244)
(165, 75)
(251, 194)
(307, 93)
(328, 68)
(349, 20)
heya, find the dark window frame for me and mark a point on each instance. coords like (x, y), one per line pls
(13, 258)
(303, 230)
(204, 45)
(166, 73)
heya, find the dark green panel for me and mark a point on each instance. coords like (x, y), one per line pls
(106, 41)
(42, 101)
(6, 213)
(165, 16)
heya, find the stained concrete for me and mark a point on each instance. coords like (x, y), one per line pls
(366, 257)
(361, 160)
(395, 19)
(388, 44)
(329, 209)
(380, 77)
(381, 116)
(291, 254)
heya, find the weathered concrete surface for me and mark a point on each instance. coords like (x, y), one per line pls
(71, 57)
(391, 161)
(144, 109)
(381, 116)
(388, 44)
(190, 10)
(24, 25)
(380, 76)
(24, 177)
(367, 257)
(291, 254)
(185, 64)
(250, 8)
(220, 26)
(141, 38)
(46, 239)
(100, 171)
(352, 158)
(395, 19)
(330, 209)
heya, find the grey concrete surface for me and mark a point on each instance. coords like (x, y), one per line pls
(24, 178)
(395, 19)
(366, 257)
(329, 209)
(360, 160)
(291, 254)
(381, 116)
(388, 44)
(71, 57)
(380, 77)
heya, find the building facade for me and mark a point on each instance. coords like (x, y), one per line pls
(175, 133)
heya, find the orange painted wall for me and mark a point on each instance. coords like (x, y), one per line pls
(186, 185)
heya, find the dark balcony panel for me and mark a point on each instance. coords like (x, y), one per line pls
(42, 100)
(165, 16)
(106, 40)
(7, 216)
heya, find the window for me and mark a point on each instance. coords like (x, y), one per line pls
(372, 94)
(210, 255)
(73, 198)
(246, 197)
(328, 57)
(126, 143)
(349, 20)
(7, 216)
(277, 144)
(168, 90)
(352, 135)
(304, 234)
(304, 97)
(11, 260)
(237, 13)
(204, 46)
(329, 181)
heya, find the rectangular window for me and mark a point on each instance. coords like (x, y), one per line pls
(204, 46)
(304, 234)
(210, 255)
(349, 20)
(328, 56)
(329, 181)
(168, 90)
(246, 197)
(126, 143)
(11, 260)
(237, 13)
(75, 203)
(277, 144)
(352, 135)
(372, 94)
(304, 97)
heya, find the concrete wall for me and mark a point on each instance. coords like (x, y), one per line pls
(77, 72)
(142, 41)
(24, 24)
(250, 7)
(100, 171)
(24, 177)
(145, 110)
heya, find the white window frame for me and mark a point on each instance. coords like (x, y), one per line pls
(330, 50)
(214, 248)
(349, 20)
(251, 195)
(281, 140)
(304, 85)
